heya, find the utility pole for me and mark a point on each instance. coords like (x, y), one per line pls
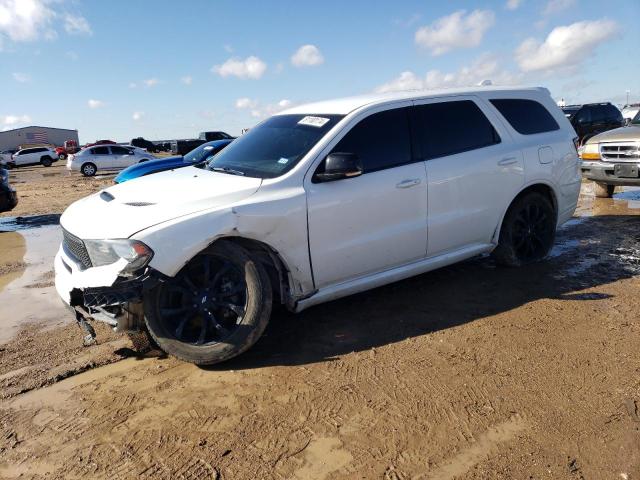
(628, 92)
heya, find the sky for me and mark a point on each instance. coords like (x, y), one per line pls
(163, 69)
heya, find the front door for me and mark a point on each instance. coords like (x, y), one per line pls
(376, 221)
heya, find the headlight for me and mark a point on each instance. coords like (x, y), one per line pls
(106, 252)
(590, 151)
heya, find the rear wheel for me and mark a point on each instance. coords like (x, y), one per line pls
(528, 231)
(46, 161)
(88, 169)
(603, 190)
(215, 308)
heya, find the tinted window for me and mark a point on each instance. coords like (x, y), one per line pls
(526, 116)
(583, 116)
(381, 140)
(120, 151)
(100, 150)
(452, 127)
(613, 114)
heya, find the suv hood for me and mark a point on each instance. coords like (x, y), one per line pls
(124, 209)
(623, 134)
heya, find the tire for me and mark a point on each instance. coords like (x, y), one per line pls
(189, 315)
(62, 156)
(88, 169)
(46, 161)
(528, 231)
(603, 190)
(10, 165)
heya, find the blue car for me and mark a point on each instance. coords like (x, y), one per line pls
(197, 155)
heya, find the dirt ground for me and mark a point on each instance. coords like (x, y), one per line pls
(468, 372)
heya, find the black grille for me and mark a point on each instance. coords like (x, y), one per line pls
(74, 247)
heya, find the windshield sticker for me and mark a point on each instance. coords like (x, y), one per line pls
(283, 161)
(313, 121)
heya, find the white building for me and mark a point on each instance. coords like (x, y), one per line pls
(13, 139)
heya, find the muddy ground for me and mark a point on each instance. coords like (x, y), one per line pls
(471, 371)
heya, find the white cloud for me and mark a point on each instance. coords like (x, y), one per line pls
(245, 102)
(151, 82)
(187, 80)
(133, 85)
(307, 56)
(76, 25)
(258, 111)
(566, 46)
(455, 31)
(11, 120)
(485, 67)
(21, 77)
(95, 103)
(137, 116)
(513, 4)
(24, 20)
(251, 67)
(556, 6)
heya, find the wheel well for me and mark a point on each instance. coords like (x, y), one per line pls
(270, 259)
(543, 189)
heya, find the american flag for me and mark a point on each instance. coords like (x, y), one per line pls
(40, 136)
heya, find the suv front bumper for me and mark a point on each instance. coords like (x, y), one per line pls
(101, 294)
(605, 172)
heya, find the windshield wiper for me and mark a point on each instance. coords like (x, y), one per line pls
(228, 170)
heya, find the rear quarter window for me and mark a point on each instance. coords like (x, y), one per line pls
(527, 117)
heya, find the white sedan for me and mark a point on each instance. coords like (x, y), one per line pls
(106, 157)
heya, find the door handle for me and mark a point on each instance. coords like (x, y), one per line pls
(508, 161)
(412, 182)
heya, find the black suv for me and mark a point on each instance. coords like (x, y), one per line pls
(593, 118)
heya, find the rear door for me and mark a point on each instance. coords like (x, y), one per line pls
(101, 157)
(378, 220)
(122, 157)
(473, 171)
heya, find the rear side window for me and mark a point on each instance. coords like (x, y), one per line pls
(381, 140)
(448, 128)
(120, 151)
(100, 151)
(526, 116)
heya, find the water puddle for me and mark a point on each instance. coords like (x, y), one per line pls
(625, 202)
(13, 224)
(27, 294)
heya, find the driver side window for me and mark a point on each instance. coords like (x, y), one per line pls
(380, 141)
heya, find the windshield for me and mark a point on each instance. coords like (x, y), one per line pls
(273, 147)
(636, 119)
(198, 154)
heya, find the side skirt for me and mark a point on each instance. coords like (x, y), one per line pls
(368, 282)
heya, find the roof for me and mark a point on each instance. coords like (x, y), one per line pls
(39, 126)
(343, 106)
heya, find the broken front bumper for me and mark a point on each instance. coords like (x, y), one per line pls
(101, 294)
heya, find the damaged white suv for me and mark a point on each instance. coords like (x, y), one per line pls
(315, 203)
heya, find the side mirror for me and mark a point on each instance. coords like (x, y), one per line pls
(337, 166)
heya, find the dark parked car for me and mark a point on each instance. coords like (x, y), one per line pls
(210, 136)
(593, 118)
(182, 147)
(146, 144)
(197, 155)
(8, 197)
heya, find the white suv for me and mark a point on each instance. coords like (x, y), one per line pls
(106, 157)
(315, 203)
(33, 156)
